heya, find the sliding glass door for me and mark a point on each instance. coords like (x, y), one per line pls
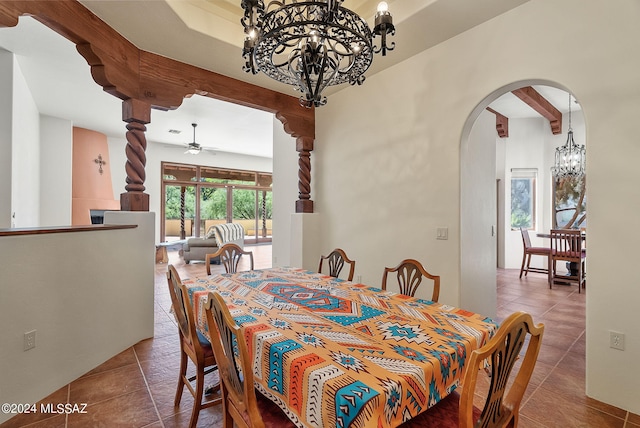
(197, 197)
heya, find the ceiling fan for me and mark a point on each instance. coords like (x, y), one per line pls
(194, 148)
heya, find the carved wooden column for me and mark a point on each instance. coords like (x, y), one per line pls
(137, 114)
(304, 146)
(183, 189)
(300, 124)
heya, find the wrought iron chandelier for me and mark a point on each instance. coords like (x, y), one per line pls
(571, 158)
(312, 44)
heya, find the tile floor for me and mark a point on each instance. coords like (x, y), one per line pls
(136, 388)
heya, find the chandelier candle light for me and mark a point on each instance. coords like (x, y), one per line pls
(311, 44)
(571, 158)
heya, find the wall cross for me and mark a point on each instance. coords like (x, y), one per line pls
(100, 163)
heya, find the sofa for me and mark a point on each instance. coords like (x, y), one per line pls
(216, 237)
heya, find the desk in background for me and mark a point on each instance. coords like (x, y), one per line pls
(335, 353)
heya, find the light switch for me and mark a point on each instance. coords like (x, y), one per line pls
(442, 233)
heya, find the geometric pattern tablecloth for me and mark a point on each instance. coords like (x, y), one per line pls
(333, 353)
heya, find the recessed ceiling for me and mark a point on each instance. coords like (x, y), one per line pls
(60, 79)
(61, 84)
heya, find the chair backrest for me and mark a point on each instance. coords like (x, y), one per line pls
(232, 356)
(410, 273)
(182, 309)
(230, 255)
(526, 241)
(566, 243)
(336, 260)
(503, 398)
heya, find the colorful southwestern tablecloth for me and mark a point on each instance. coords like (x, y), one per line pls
(333, 353)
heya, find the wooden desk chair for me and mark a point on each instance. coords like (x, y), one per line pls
(508, 380)
(193, 346)
(336, 260)
(566, 245)
(409, 274)
(242, 405)
(532, 251)
(230, 255)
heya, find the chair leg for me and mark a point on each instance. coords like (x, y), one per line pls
(526, 271)
(524, 257)
(181, 377)
(197, 400)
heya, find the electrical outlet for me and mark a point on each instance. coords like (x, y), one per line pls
(29, 340)
(616, 340)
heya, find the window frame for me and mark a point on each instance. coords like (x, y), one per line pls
(530, 175)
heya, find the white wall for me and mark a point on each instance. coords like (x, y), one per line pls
(86, 306)
(157, 153)
(285, 193)
(6, 106)
(56, 158)
(389, 156)
(25, 181)
(478, 255)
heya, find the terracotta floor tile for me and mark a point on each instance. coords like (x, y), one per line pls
(606, 408)
(525, 422)
(163, 394)
(152, 348)
(634, 419)
(106, 385)
(58, 397)
(161, 369)
(124, 358)
(209, 417)
(57, 421)
(554, 410)
(131, 410)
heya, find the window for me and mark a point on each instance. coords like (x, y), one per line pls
(569, 203)
(523, 198)
(198, 197)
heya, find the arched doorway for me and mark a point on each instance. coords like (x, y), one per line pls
(487, 240)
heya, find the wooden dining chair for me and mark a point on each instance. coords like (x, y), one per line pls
(193, 346)
(229, 255)
(335, 261)
(566, 246)
(532, 251)
(242, 405)
(409, 274)
(506, 384)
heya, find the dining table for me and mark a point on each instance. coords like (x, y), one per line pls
(334, 353)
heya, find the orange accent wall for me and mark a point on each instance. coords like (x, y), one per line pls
(89, 188)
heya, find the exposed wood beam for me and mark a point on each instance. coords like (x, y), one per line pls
(502, 123)
(144, 80)
(542, 106)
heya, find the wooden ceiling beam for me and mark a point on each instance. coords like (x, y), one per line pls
(542, 106)
(144, 80)
(502, 123)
